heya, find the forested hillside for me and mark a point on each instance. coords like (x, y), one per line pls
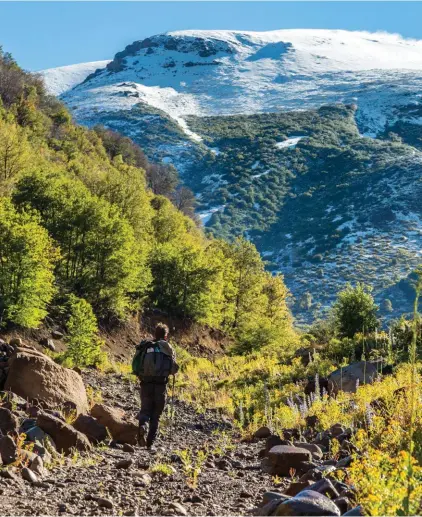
(87, 229)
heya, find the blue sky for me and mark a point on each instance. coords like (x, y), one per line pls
(48, 34)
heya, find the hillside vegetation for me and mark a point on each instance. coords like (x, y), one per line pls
(79, 220)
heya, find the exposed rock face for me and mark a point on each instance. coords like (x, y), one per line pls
(65, 436)
(34, 376)
(355, 374)
(121, 430)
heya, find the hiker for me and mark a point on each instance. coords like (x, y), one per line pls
(153, 363)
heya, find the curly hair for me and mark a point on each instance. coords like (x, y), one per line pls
(161, 331)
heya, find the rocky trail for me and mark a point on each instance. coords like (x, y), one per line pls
(200, 465)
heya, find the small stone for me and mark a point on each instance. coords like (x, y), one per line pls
(104, 503)
(124, 464)
(356, 511)
(62, 508)
(29, 475)
(178, 508)
(56, 334)
(37, 466)
(15, 341)
(128, 448)
(244, 494)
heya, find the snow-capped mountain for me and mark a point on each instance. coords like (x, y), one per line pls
(307, 141)
(230, 72)
(64, 78)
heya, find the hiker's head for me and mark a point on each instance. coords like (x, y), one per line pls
(161, 331)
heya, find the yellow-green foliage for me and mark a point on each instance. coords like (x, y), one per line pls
(120, 244)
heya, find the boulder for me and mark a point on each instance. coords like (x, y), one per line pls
(262, 433)
(8, 450)
(316, 451)
(348, 378)
(324, 486)
(297, 486)
(284, 458)
(8, 422)
(64, 435)
(90, 427)
(34, 376)
(272, 441)
(121, 430)
(310, 503)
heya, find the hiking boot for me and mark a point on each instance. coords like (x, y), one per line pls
(141, 436)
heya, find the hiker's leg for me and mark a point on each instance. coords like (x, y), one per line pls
(147, 403)
(159, 403)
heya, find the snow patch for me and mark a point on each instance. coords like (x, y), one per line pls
(290, 142)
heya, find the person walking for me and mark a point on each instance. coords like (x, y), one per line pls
(154, 362)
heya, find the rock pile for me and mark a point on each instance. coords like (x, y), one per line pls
(305, 462)
(38, 397)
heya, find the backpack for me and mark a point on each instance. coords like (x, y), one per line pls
(151, 361)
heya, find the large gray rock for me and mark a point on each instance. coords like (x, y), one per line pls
(65, 436)
(122, 431)
(284, 458)
(348, 378)
(309, 503)
(34, 376)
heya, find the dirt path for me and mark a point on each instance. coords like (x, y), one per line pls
(230, 482)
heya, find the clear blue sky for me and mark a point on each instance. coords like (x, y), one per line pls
(48, 34)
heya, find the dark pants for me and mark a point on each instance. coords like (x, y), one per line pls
(153, 400)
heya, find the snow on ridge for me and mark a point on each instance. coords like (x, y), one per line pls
(290, 142)
(63, 78)
(253, 72)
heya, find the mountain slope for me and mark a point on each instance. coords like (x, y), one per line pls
(244, 117)
(64, 78)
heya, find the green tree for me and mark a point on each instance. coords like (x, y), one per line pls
(83, 344)
(101, 260)
(355, 311)
(27, 257)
